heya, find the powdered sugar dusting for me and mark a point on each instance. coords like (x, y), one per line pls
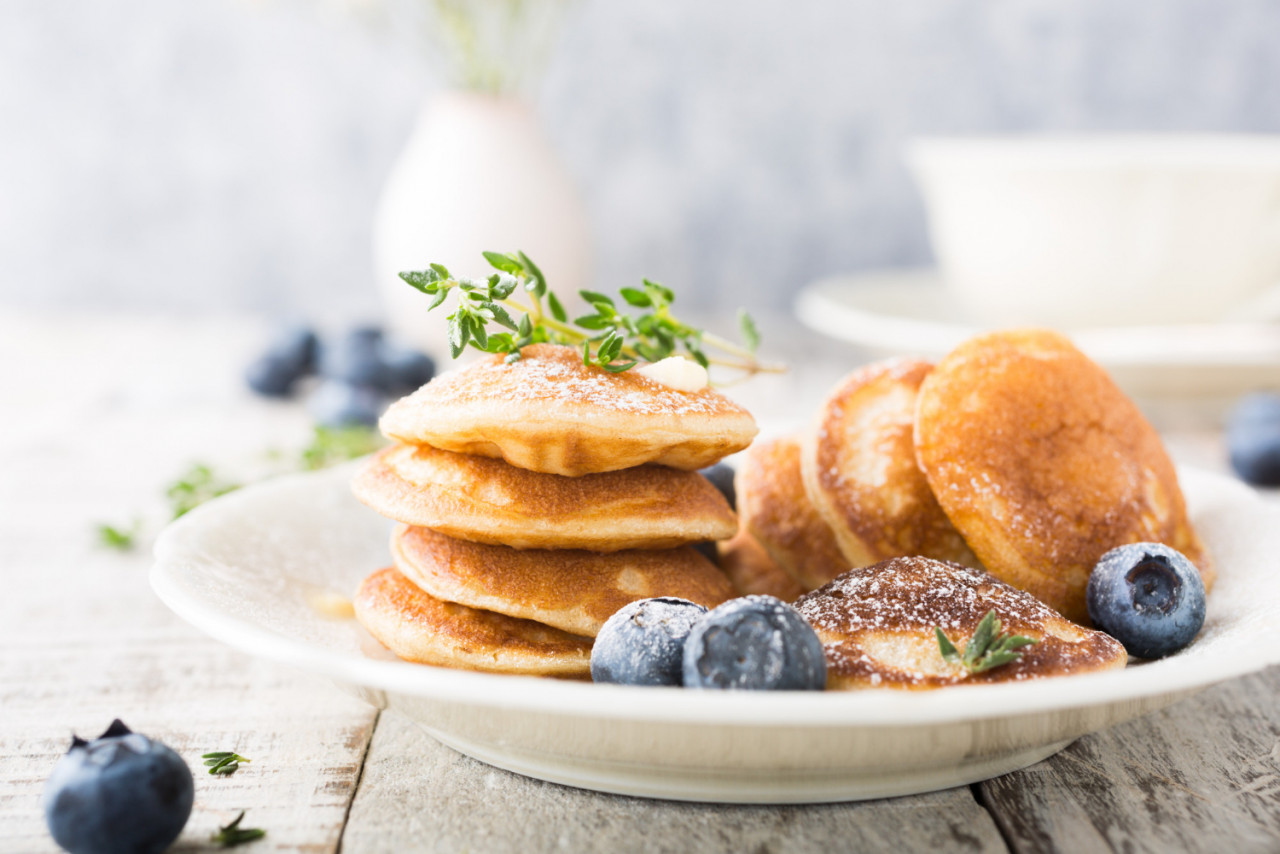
(554, 375)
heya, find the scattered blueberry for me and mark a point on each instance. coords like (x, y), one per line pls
(121, 793)
(407, 369)
(290, 356)
(339, 404)
(721, 477)
(754, 643)
(1147, 596)
(1253, 439)
(355, 358)
(643, 642)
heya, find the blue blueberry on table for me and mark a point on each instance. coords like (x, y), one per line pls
(407, 369)
(756, 643)
(339, 404)
(721, 477)
(289, 357)
(355, 358)
(1253, 439)
(1147, 596)
(643, 642)
(121, 793)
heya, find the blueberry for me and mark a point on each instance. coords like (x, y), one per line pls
(643, 642)
(290, 356)
(121, 793)
(407, 369)
(1253, 439)
(755, 643)
(355, 358)
(339, 404)
(721, 477)
(1147, 596)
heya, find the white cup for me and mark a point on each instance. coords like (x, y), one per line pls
(1104, 230)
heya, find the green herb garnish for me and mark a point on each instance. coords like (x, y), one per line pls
(223, 762)
(121, 539)
(194, 488)
(609, 336)
(233, 834)
(987, 648)
(332, 445)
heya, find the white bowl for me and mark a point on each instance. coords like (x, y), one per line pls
(1103, 230)
(246, 567)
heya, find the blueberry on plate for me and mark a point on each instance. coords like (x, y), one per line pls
(290, 356)
(643, 642)
(1147, 596)
(756, 643)
(1253, 439)
(721, 477)
(355, 358)
(338, 404)
(121, 793)
(407, 369)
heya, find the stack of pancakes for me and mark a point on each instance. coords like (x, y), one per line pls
(536, 498)
(1015, 453)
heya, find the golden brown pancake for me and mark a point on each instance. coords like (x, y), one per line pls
(489, 501)
(418, 627)
(548, 412)
(1043, 464)
(573, 590)
(775, 509)
(860, 471)
(751, 571)
(877, 626)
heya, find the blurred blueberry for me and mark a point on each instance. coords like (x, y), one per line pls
(407, 369)
(756, 643)
(339, 404)
(721, 477)
(355, 358)
(289, 357)
(1147, 596)
(1253, 439)
(643, 642)
(121, 793)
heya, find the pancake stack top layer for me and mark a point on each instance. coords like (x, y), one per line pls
(592, 472)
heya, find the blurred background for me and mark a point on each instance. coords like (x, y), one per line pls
(228, 155)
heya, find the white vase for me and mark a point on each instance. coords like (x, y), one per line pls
(477, 174)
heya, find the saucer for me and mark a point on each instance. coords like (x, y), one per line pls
(911, 312)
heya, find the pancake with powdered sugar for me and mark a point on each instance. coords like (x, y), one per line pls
(548, 412)
(877, 625)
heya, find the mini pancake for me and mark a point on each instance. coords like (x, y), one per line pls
(485, 500)
(860, 471)
(774, 507)
(877, 625)
(1043, 464)
(420, 628)
(573, 590)
(548, 412)
(751, 571)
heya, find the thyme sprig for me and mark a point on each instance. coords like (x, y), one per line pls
(233, 834)
(610, 336)
(223, 762)
(987, 649)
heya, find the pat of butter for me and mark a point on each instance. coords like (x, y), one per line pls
(677, 372)
(329, 604)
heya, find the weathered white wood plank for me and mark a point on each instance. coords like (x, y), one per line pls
(1203, 775)
(418, 795)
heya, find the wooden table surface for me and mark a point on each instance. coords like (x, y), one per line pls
(99, 414)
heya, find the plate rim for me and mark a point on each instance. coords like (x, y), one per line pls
(669, 705)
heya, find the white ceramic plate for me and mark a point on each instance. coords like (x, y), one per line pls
(911, 311)
(248, 567)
